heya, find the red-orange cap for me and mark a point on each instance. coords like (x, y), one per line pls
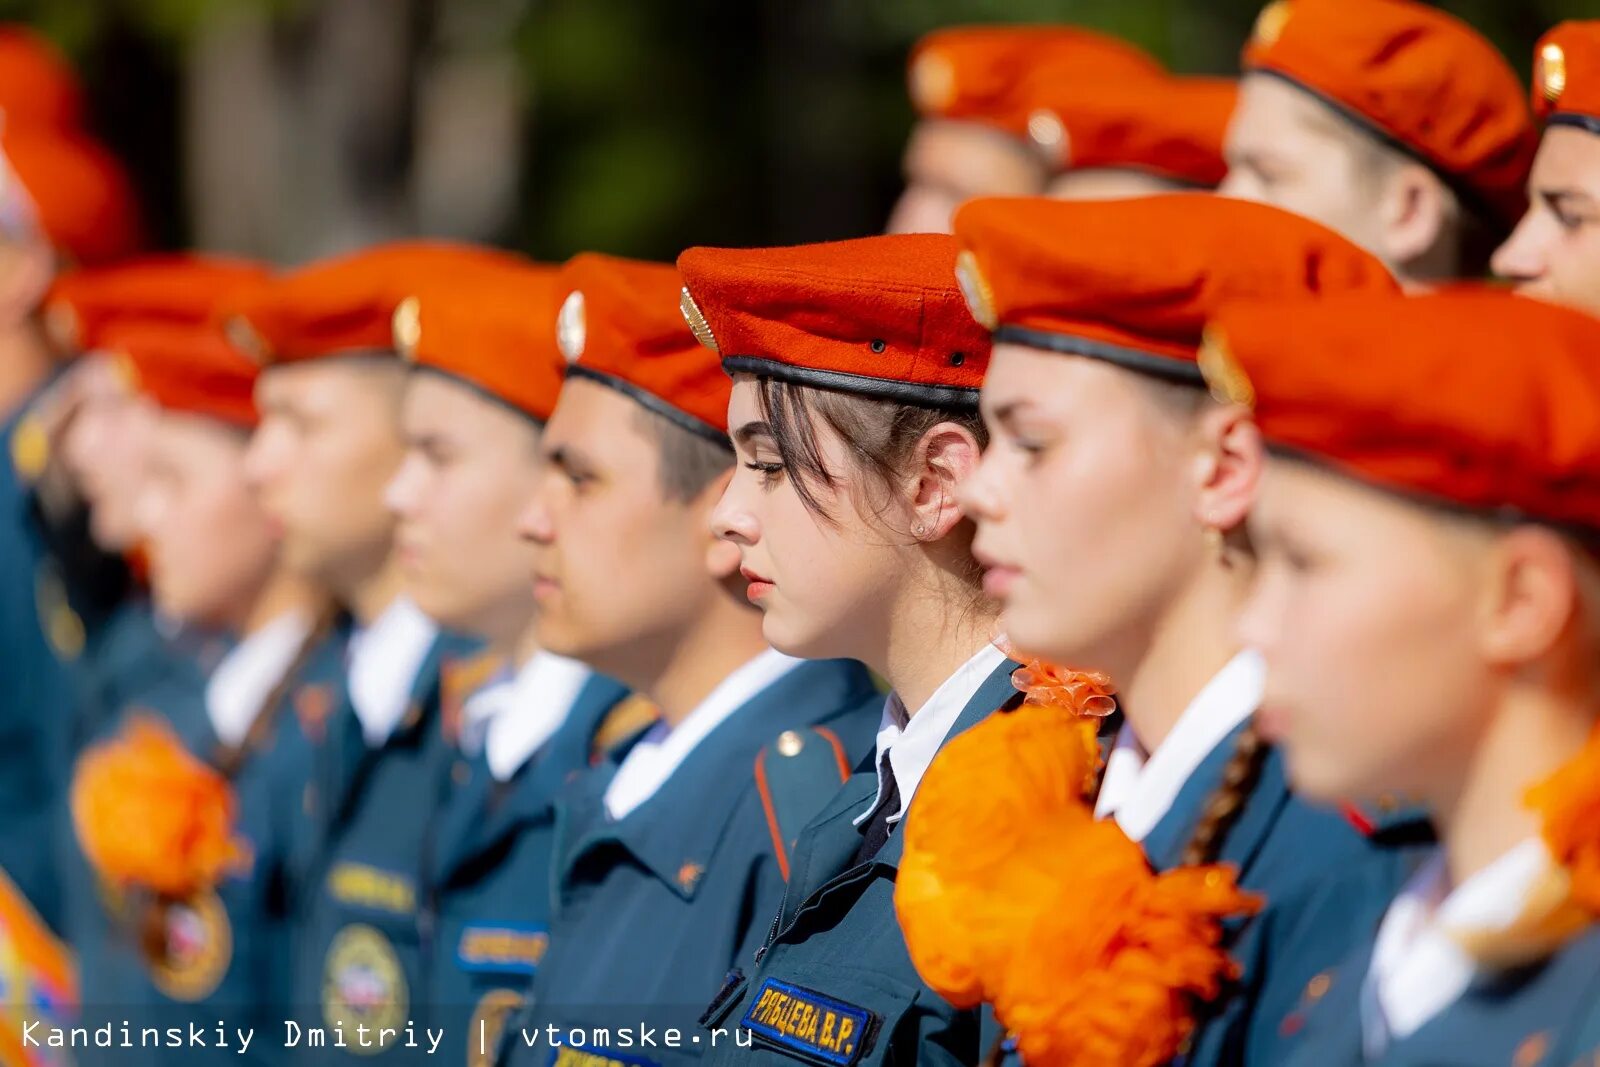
(179, 288)
(877, 316)
(1566, 75)
(38, 87)
(69, 189)
(186, 367)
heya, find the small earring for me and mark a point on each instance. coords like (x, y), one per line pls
(919, 531)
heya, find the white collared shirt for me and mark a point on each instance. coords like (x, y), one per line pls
(382, 664)
(911, 741)
(1419, 966)
(237, 691)
(513, 717)
(1138, 790)
(656, 755)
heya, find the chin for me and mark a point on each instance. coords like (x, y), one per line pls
(800, 642)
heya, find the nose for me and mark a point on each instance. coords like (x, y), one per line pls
(534, 521)
(732, 522)
(977, 494)
(1522, 257)
(400, 496)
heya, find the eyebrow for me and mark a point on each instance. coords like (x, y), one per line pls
(750, 430)
(1554, 196)
(567, 458)
(1006, 410)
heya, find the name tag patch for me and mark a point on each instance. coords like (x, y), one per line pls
(372, 887)
(504, 948)
(810, 1022)
(567, 1056)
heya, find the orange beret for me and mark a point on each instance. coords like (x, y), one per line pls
(492, 330)
(1173, 127)
(1421, 79)
(1566, 75)
(67, 188)
(38, 87)
(1133, 281)
(878, 316)
(1417, 394)
(620, 325)
(178, 288)
(345, 305)
(186, 367)
(985, 73)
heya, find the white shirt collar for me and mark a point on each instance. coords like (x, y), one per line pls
(911, 741)
(1138, 790)
(382, 666)
(652, 760)
(519, 714)
(1419, 966)
(237, 691)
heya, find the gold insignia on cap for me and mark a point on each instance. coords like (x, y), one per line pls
(1048, 134)
(1224, 377)
(975, 288)
(243, 336)
(1551, 77)
(697, 321)
(125, 371)
(933, 82)
(572, 326)
(407, 328)
(30, 448)
(1270, 23)
(62, 326)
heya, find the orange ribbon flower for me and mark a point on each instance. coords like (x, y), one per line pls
(1569, 801)
(150, 814)
(1011, 893)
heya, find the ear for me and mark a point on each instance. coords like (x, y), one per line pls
(1414, 213)
(1228, 465)
(945, 455)
(1530, 598)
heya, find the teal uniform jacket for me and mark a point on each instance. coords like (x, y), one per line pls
(489, 885)
(653, 909)
(362, 929)
(223, 954)
(835, 949)
(1543, 1015)
(1301, 860)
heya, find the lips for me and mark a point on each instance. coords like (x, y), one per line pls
(544, 586)
(758, 587)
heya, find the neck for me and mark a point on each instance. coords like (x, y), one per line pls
(935, 625)
(1478, 808)
(369, 596)
(24, 364)
(283, 593)
(684, 668)
(522, 647)
(1186, 647)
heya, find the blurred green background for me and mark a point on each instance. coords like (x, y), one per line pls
(291, 128)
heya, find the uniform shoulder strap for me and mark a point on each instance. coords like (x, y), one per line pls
(796, 775)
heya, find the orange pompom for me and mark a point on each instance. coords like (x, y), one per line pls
(1009, 892)
(150, 814)
(1569, 801)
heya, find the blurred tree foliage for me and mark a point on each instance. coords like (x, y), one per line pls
(652, 125)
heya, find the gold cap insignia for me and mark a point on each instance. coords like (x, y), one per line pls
(126, 372)
(406, 327)
(1551, 77)
(932, 82)
(697, 321)
(62, 326)
(243, 336)
(30, 448)
(975, 288)
(1270, 23)
(1224, 377)
(1048, 134)
(572, 326)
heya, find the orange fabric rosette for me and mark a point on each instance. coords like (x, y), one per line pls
(1011, 893)
(150, 814)
(1569, 804)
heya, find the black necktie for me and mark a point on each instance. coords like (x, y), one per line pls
(875, 831)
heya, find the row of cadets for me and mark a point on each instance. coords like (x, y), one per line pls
(670, 863)
(486, 376)
(1427, 606)
(329, 441)
(855, 372)
(1555, 251)
(63, 200)
(1063, 111)
(182, 912)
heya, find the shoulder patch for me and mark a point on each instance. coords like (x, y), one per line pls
(631, 716)
(822, 1028)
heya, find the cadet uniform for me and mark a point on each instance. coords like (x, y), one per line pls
(1496, 969)
(1130, 283)
(669, 864)
(882, 317)
(526, 732)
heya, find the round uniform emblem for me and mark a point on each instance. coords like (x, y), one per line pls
(406, 327)
(1550, 72)
(488, 1023)
(190, 947)
(362, 983)
(975, 289)
(1228, 382)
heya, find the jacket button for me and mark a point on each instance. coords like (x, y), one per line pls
(790, 743)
